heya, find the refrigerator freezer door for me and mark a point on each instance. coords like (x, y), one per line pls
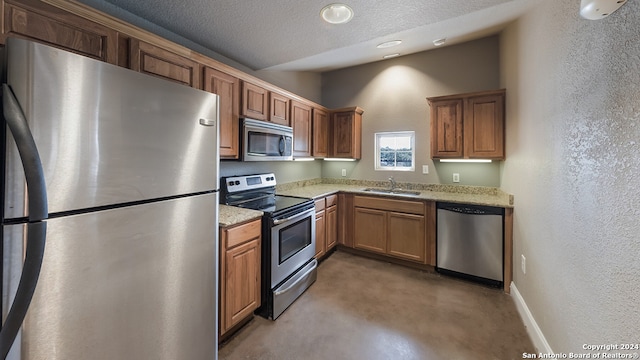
(107, 135)
(137, 282)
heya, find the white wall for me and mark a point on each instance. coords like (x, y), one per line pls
(573, 160)
(393, 95)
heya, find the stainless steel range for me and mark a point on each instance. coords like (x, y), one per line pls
(288, 238)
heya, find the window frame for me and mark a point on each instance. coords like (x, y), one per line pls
(378, 135)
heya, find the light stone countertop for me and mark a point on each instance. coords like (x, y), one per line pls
(476, 195)
(231, 215)
(318, 188)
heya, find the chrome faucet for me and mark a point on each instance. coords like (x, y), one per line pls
(393, 183)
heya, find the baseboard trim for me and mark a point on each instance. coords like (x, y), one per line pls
(536, 335)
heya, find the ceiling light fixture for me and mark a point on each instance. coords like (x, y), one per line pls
(439, 42)
(336, 14)
(388, 44)
(391, 56)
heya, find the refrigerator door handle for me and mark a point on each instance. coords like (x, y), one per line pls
(36, 227)
(29, 155)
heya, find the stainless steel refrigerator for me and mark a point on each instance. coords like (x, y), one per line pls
(116, 237)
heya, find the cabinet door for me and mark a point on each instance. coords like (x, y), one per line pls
(484, 127)
(321, 234)
(35, 20)
(228, 89)
(446, 129)
(370, 230)
(407, 237)
(331, 215)
(279, 109)
(347, 134)
(242, 282)
(320, 133)
(255, 102)
(301, 122)
(150, 59)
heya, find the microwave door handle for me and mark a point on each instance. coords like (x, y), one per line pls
(281, 145)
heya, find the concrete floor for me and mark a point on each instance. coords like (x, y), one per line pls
(367, 309)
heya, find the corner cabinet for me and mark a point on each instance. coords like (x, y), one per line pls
(468, 126)
(239, 273)
(346, 138)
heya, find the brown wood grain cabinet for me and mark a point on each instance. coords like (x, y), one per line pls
(468, 125)
(321, 233)
(227, 87)
(326, 224)
(320, 141)
(301, 123)
(239, 273)
(391, 227)
(37, 21)
(153, 60)
(279, 111)
(346, 133)
(255, 101)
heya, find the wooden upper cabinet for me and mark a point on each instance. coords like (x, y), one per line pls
(150, 59)
(346, 138)
(279, 109)
(484, 127)
(469, 126)
(255, 102)
(301, 123)
(446, 128)
(37, 21)
(227, 87)
(320, 121)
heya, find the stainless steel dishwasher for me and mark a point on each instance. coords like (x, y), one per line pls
(470, 242)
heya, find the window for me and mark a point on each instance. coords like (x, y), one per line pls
(395, 151)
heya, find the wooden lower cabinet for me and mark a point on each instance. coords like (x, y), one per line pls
(391, 227)
(239, 273)
(326, 224)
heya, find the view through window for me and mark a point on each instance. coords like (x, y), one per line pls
(395, 151)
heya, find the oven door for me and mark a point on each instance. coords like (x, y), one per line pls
(293, 244)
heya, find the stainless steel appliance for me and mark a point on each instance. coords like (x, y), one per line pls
(288, 231)
(470, 241)
(265, 141)
(112, 251)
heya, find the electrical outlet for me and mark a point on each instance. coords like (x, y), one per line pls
(425, 169)
(456, 177)
(523, 264)
(344, 172)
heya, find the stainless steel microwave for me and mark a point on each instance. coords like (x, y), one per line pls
(265, 141)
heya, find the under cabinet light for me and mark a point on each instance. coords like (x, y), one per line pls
(304, 159)
(466, 160)
(338, 159)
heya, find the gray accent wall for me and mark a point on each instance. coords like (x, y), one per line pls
(573, 159)
(393, 95)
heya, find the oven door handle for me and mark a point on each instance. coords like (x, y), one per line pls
(303, 276)
(282, 221)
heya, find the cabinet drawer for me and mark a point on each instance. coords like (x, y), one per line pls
(242, 233)
(403, 206)
(332, 200)
(319, 205)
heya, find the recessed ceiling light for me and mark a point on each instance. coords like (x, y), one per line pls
(388, 44)
(390, 56)
(439, 42)
(336, 13)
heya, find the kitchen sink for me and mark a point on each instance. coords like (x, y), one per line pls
(392, 192)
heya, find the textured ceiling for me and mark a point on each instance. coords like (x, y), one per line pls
(290, 35)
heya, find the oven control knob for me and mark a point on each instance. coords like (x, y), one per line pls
(230, 183)
(237, 182)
